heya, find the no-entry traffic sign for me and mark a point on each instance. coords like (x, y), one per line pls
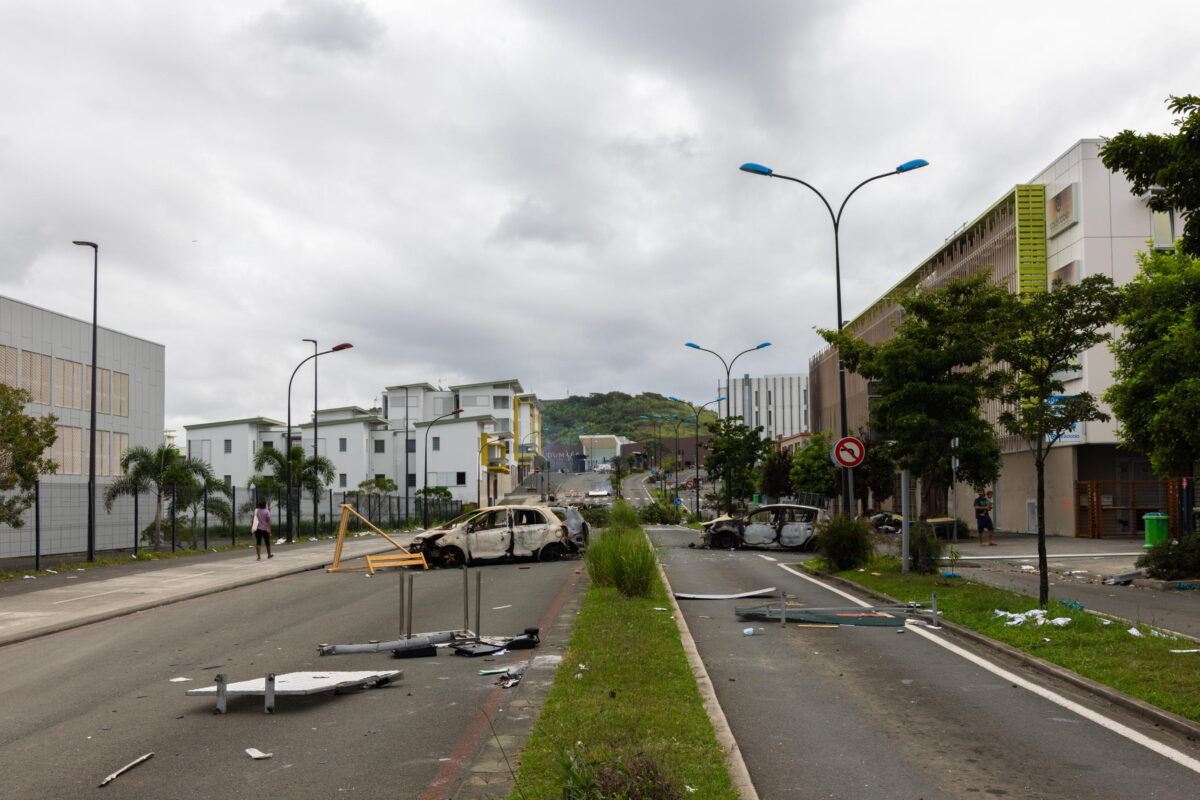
(848, 452)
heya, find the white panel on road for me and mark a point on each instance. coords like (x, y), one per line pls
(300, 683)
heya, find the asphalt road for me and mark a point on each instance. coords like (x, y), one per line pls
(872, 713)
(80, 704)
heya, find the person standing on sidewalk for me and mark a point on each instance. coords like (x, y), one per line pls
(983, 518)
(261, 525)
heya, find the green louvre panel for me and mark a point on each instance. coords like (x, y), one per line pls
(1031, 238)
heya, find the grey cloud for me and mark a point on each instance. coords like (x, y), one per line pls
(530, 220)
(331, 26)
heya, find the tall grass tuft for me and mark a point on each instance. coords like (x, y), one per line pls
(621, 557)
(844, 542)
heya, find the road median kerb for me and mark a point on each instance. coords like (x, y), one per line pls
(1150, 713)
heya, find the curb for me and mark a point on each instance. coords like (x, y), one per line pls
(1150, 713)
(739, 775)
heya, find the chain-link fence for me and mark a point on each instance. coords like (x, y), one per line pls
(56, 524)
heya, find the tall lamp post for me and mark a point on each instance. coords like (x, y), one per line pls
(425, 499)
(654, 418)
(697, 410)
(728, 366)
(315, 364)
(91, 521)
(287, 444)
(836, 218)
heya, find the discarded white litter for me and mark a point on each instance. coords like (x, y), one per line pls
(1137, 633)
(660, 608)
(29, 577)
(1075, 572)
(747, 631)
(1028, 568)
(1161, 635)
(1186, 651)
(1037, 615)
(125, 768)
(52, 571)
(280, 540)
(256, 754)
(1106, 622)
(179, 680)
(497, 608)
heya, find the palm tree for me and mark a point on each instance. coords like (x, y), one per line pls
(156, 470)
(309, 473)
(202, 489)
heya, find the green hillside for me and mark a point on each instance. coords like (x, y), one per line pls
(616, 413)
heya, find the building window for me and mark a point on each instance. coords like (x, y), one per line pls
(379, 476)
(437, 443)
(35, 376)
(268, 445)
(460, 479)
(410, 445)
(500, 401)
(412, 480)
(342, 444)
(341, 480)
(379, 445)
(1162, 229)
(68, 383)
(8, 365)
(229, 445)
(229, 480)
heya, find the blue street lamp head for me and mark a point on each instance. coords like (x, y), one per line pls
(909, 166)
(764, 344)
(720, 399)
(756, 169)
(693, 345)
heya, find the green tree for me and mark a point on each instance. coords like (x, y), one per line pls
(875, 477)
(733, 452)
(1047, 333)
(23, 444)
(1168, 163)
(933, 379)
(203, 489)
(776, 480)
(162, 470)
(440, 493)
(309, 473)
(812, 470)
(1156, 388)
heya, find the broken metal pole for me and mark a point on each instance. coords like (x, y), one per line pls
(126, 768)
(478, 601)
(269, 694)
(221, 694)
(782, 609)
(408, 609)
(466, 601)
(400, 619)
(410, 643)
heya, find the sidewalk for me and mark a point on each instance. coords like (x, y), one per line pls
(1007, 566)
(76, 597)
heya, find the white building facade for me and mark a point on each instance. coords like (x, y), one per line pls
(779, 403)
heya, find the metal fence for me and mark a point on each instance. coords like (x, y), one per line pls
(56, 524)
(1110, 509)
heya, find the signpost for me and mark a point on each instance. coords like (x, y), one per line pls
(847, 452)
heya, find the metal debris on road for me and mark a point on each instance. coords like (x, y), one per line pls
(755, 593)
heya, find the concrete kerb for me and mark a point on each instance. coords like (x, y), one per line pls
(738, 773)
(138, 607)
(1150, 713)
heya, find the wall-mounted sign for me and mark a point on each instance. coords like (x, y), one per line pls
(1062, 210)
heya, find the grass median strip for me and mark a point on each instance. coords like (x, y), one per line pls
(1105, 651)
(624, 715)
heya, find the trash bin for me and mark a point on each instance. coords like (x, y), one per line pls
(1156, 527)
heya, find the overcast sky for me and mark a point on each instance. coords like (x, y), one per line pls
(537, 190)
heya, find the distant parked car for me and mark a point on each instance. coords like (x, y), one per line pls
(780, 525)
(498, 532)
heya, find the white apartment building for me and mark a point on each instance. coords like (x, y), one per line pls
(50, 355)
(779, 403)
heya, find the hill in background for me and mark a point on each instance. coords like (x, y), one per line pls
(615, 413)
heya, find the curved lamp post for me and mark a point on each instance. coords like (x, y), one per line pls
(697, 410)
(728, 366)
(91, 521)
(425, 499)
(836, 218)
(287, 444)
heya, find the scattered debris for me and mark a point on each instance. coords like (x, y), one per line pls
(1028, 568)
(28, 578)
(1036, 615)
(257, 754)
(747, 631)
(756, 593)
(951, 575)
(1186, 586)
(1186, 651)
(400, 648)
(293, 683)
(52, 571)
(501, 671)
(1162, 635)
(1075, 604)
(1137, 633)
(1123, 579)
(179, 680)
(497, 608)
(1075, 572)
(126, 768)
(495, 646)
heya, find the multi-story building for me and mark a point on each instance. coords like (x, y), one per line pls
(414, 439)
(779, 403)
(50, 355)
(1075, 218)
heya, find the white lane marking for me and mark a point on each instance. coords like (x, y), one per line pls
(1116, 727)
(765, 557)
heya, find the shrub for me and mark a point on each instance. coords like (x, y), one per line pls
(1173, 559)
(660, 514)
(924, 550)
(844, 543)
(623, 516)
(622, 558)
(596, 516)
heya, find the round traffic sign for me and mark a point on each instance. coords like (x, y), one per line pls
(678, 501)
(848, 452)
(691, 484)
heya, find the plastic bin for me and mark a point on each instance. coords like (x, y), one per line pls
(1156, 527)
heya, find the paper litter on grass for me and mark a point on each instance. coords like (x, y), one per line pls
(1037, 615)
(1137, 633)
(1186, 651)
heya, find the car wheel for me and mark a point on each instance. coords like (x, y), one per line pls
(449, 557)
(724, 541)
(554, 551)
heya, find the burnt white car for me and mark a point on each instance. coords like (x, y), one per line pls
(780, 525)
(498, 532)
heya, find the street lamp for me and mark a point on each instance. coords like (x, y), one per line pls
(697, 410)
(654, 418)
(91, 522)
(728, 366)
(425, 501)
(315, 363)
(907, 166)
(287, 444)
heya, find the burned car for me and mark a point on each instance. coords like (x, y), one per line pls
(577, 527)
(780, 525)
(495, 533)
